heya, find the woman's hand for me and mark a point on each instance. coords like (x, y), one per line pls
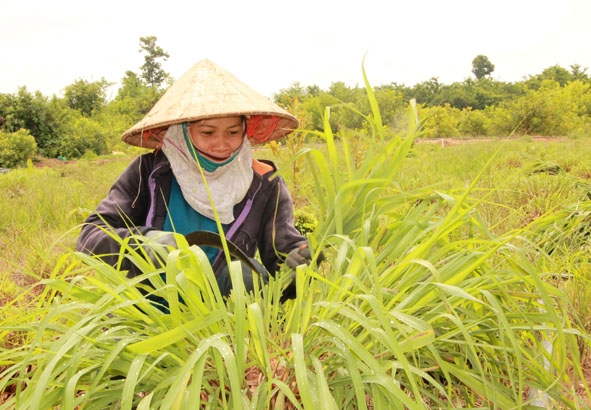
(299, 256)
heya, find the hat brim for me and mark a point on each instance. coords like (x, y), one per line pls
(143, 137)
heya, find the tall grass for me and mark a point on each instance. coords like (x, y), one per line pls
(39, 205)
(419, 305)
(524, 180)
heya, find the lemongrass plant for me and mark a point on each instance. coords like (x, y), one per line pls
(564, 236)
(417, 306)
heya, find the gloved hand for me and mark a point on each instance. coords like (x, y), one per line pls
(225, 282)
(162, 238)
(155, 245)
(299, 256)
(159, 244)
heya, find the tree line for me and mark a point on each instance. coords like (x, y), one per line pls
(556, 102)
(85, 122)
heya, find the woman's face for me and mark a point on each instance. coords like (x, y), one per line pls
(217, 138)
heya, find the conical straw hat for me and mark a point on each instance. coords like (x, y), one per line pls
(208, 91)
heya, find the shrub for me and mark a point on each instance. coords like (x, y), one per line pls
(474, 123)
(84, 135)
(502, 122)
(440, 122)
(305, 222)
(16, 148)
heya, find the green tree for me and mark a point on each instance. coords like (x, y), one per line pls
(152, 71)
(579, 73)
(405, 91)
(287, 96)
(135, 98)
(391, 104)
(426, 92)
(313, 90)
(476, 94)
(557, 73)
(551, 110)
(133, 101)
(35, 113)
(347, 104)
(489, 92)
(316, 109)
(554, 73)
(457, 95)
(482, 66)
(87, 97)
(342, 92)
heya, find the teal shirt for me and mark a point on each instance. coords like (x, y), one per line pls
(183, 219)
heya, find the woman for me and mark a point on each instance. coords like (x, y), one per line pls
(202, 171)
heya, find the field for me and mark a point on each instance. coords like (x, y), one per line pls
(508, 188)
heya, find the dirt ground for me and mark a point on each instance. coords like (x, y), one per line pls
(447, 142)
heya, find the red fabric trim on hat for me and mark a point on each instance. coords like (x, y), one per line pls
(155, 134)
(260, 127)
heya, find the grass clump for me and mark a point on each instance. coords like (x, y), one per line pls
(418, 305)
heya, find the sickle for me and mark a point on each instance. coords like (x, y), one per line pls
(206, 238)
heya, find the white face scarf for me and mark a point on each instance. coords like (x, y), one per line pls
(228, 184)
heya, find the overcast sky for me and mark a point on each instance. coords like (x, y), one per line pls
(47, 45)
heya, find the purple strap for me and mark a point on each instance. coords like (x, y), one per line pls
(152, 190)
(239, 221)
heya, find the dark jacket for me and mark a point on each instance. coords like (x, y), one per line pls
(137, 204)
